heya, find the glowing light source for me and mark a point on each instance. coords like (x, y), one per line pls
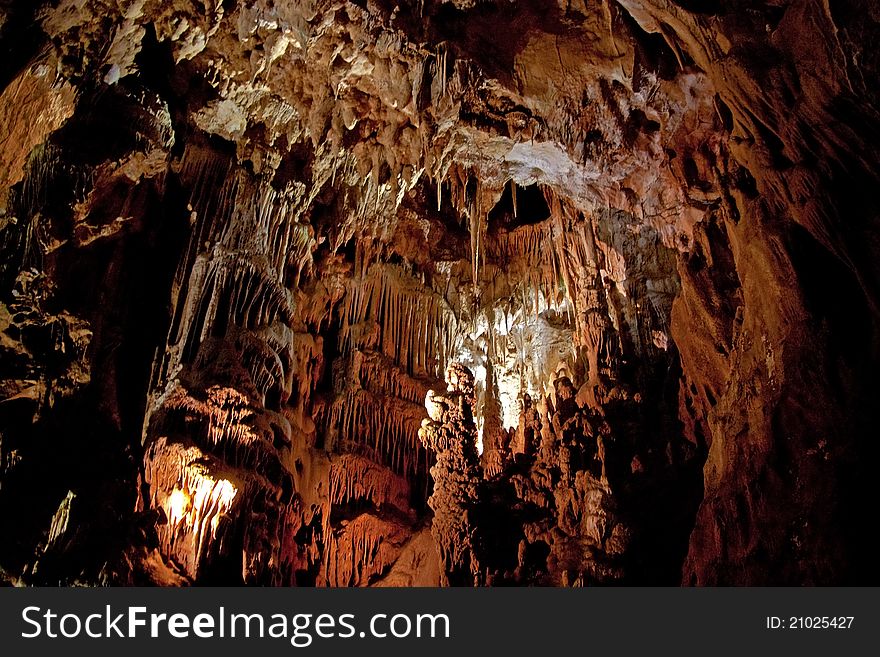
(204, 500)
(178, 503)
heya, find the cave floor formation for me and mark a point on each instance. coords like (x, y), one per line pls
(439, 292)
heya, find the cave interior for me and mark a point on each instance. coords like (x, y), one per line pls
(439, 292)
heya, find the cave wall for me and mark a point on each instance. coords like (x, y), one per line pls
(243, 246)
(790, 265)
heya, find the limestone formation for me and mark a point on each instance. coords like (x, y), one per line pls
(363, 293)
(456, 500)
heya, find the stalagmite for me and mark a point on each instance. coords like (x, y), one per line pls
(457, 479)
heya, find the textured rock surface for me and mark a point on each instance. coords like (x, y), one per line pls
(243, 242)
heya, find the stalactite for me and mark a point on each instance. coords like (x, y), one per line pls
(244, 242)
(558, 260)
(358, 552)
(513, 198)
(271, 358)
(380, 427)
(204, 172)
(441, 67)
(193, 499)
(223, 410)
(392, 300)
(354, 479)
(227, 290)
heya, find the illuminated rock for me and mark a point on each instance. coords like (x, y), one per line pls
(623, 256)
(456, 500)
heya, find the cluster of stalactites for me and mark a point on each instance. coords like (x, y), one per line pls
(383, 428)
(212, 471)
(194, 501)
(472, 201)
(354, 479)
(378, 374)
(558, 261)
(245, 215)
(224, 414)
(387, 311)
(555, 255)
(359, 551)
(247, 251)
